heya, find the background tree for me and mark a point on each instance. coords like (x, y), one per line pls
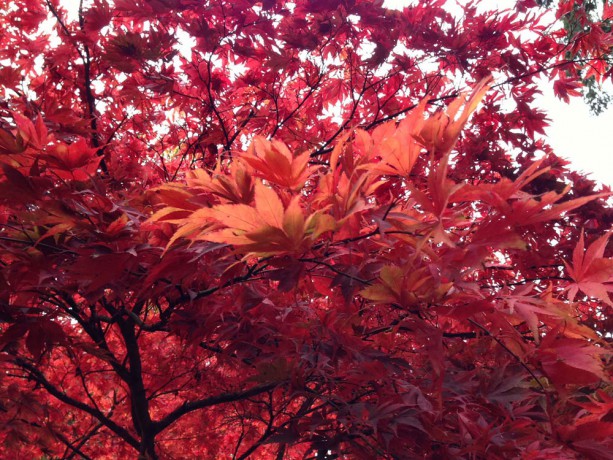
(264, 229)
(579, 18)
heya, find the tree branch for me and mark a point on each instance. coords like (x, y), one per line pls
(223, 398)
(63, 397)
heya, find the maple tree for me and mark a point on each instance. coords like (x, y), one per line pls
(308, 229)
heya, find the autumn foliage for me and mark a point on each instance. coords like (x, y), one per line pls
(309, 229)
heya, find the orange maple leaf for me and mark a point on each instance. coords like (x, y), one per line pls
(266, 228)
(591, 272)
(440, 132)
(235, 187)
(273, 161)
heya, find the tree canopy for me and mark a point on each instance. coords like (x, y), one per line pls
(308, 229)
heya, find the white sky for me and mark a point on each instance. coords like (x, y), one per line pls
(582, 138)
